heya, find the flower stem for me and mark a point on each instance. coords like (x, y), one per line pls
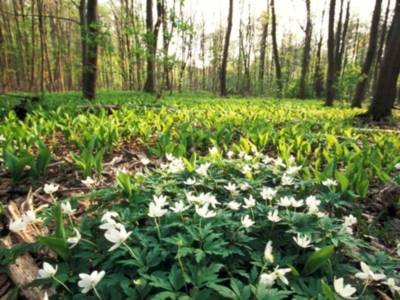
(59, 281)
(97, 293)
(130, 251)
(158, 229)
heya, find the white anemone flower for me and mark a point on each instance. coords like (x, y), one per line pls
(287, 179)
(230, 154)
(144, 160)
(50, 188)
(268, 193)
(302, 241)
(109, 216)
(329, 182)
(249, 202)
(202, 169)
(273, 216)
(312, 202)
(205, 212)
(156, 211)
(267, 280)
(231, 187)
(244, 186)
(280, 273)
(89, 281)
(179, 207)
(67, 209)
(190, 181)
(268, 256)
(47, 271)
(292, 171)
(233, 205)
(117, 237)
(286, 201)
(344, 291)
(366, 274)
(89, 182)
(213, 151)
(246, 169)
(349, 221)
(297, 203)
(247, 222)
(74, 240)
(393, 286)
(160, 201)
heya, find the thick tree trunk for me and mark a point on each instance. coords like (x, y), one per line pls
(90, 69)
(278, 70)
(385, 94)
(330, 80)
(362, 84)
(225, 54)
(306, 53)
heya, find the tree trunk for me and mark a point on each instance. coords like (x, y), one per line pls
(306, 53)
(373, 39)
(330, 80)
(339, 63)
(90, 69)
(225, 54)
(263, 46)
(385, 94)
(278, 70)
(318, 74)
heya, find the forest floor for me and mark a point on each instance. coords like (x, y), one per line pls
(64, 141)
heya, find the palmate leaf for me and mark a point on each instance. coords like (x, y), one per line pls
(318, 259)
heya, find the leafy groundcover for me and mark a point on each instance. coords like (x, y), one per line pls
(227, 226)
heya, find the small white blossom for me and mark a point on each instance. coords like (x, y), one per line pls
(156, 211)
(204, 212)
(47, 271)
(75, 239)
(302, 241)
(190, 181)
(231, 187)
(268, 193)
(267, 280)
(170, 157)
(312, 203)
(397, 166)
(117, 237)
(89, 281)
(297, 203)
(89, 182)
(249, 202)
(344, 291)
(366, 274)
(268, 256)
(246, 169)
(202, 169)
(280, 273)
(109, 216)
(266, 159)
(349, 221)
(50, 188)
(160, 201)
(67, 209)
(244, 186)
(175, 166)
(144, 160)
(293, 171)
(273, 216)
(179, 207)
(279, 162)
(329, 182)
(393, 286)
(230, 154)
(287, 179)
(286, 201)
(247, 222)
(233, 205)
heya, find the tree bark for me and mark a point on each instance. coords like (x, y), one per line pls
(278, 70)
(306, 52)
(90, 69)
(385, 94)
(263, 46)
(330, 80)
(223, 90)
(373, 39)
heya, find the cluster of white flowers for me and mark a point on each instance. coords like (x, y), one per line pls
(174, 165)
(349, 222)
(50, 188)
(26, 219)
(114, 232)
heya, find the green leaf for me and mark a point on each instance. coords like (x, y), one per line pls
(58, 245)
(223, 291)
(318, 259)
(326, 289)
(343, 181)
(58, 217)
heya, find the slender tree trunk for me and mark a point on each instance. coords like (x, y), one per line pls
(339, 63)
(318, 74)
(385, 94)
(362, 84)
(225, 54)
(90, 70)
(330, 80)
(306, 53)
(278, 70)
(263, 46)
